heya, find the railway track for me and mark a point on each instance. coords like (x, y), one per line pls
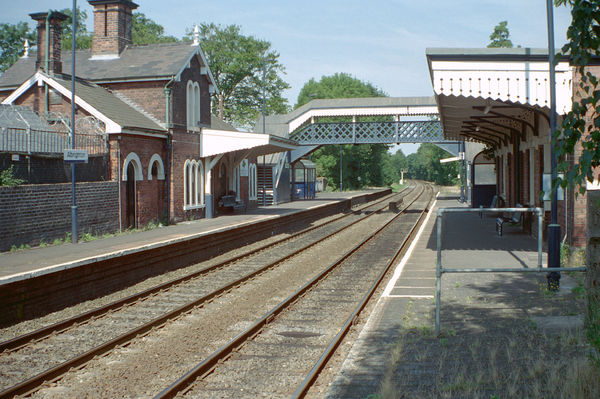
(32, 360)
(299, 335)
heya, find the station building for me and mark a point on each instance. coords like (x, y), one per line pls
(172, 159)
(501, 97)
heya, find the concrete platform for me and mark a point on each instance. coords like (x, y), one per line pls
(471, 303)
(19, 265)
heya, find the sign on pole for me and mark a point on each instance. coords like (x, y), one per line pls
(75, 156)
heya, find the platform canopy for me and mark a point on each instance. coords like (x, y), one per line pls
(486, 95)
(216, 142)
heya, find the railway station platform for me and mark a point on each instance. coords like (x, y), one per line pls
(38, 261)
(473, 306)
(37, 281)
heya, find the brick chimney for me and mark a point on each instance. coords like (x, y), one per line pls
(52, 32)
(112, 27)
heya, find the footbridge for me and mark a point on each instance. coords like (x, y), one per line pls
(375, 120)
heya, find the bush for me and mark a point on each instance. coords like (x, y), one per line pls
(7, 178)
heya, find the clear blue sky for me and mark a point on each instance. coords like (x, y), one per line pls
(379, 41)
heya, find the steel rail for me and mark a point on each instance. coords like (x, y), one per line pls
(207, 365)
(337, 340)
(29, 385)
(25, 339)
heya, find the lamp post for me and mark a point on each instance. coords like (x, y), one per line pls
(554, 228)
(264, 129)
(74, 233)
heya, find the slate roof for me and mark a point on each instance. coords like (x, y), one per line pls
(154, 61)
(109, 105)
(218, 124)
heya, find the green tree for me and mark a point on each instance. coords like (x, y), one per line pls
(12, 40)
(83, 40)
(362, 165)
(500, 36)
(146, 31)
(236, 62)
(339, 85)
(578, 140)
(425, 165)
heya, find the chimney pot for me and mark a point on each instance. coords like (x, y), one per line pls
(112, 27)
(51, 36)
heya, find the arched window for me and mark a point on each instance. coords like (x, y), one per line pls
(134, 159)
(190, 105)
(236, 183)
(196, 105)
(156, 163)
(200, 183)
(252, 182)
(193, 184)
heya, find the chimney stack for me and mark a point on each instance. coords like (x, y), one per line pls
(112, 27)
(49, 36)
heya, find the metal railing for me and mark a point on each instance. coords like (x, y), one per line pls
(47, 141)
(440, 270)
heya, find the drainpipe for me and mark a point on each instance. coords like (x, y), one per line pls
(47, 60)
(169, 144)
(119, 179)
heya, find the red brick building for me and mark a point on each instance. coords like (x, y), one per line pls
(173, 159)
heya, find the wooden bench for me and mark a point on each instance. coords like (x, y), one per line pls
(513, 219)
(229, 201)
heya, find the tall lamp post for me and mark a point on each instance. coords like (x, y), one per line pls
(554, 228)
(74, 233)
(264, 129)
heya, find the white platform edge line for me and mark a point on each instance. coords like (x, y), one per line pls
(411, 296)
(400, 267)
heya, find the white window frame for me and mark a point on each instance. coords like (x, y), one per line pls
(196, 106)
(252, 182)
(193, 185)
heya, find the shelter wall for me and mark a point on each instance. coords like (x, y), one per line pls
(151, 198)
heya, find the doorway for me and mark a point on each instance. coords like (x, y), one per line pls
(130, 198)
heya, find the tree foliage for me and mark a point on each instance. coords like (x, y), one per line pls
(237, 63)
(146, 31)
(83, 38)
(362, 165)
(425, 165)
(500, 36)
(339, 85)
(583, 43)
(12, 40)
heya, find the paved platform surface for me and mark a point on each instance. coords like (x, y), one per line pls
(471, 303)
(27, 263)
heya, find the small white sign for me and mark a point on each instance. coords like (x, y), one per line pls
(244, 168)
(76, 156)
(547, 188)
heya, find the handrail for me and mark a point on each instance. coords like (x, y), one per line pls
(440, 269)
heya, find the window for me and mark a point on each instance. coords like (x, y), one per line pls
(193, 184)
(252, 182)
(190, 105)
(193, 105)
(236, 183)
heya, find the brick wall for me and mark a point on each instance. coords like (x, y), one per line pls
(36, 169)
(112, 28)
(150, 96)
(151, 195)
(32, 213)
